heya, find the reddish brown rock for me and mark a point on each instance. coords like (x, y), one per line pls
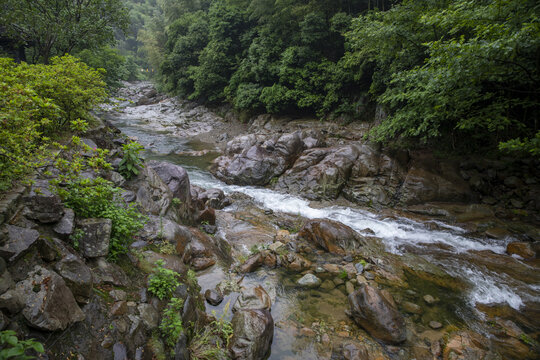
(330, 235)
(522, 249)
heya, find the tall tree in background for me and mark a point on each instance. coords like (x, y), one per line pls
(56, 27)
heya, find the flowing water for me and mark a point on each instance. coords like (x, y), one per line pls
(446, 246)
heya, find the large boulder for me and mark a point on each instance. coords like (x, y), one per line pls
(49, 304)
(177, 179)
(331, 236)
(249, 161)
(163, 229)
(77, 276)
(152, 194)
(320, 172)
(199, 253)
(18, 241)
(43, 205)
(253, 334)
(96, 235)
(253, 298)
(377, 314)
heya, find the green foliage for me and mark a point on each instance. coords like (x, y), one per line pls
(98, 198)
(171, 326)
(163, 281)
(13, 348)
(37, 103)
(213, 341)
(131, 161)
(343, 275)
(51, 28)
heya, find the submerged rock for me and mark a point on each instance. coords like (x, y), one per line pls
(254, 298)
(310, 281)
(377, 314)
(213, 297)
(253, 334)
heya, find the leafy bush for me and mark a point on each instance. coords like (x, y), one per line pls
(163, 281)
(13, 348)
(129, 165)
(37, 102)
(171, 322)
(97, 198)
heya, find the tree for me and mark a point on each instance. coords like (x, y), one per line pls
(56, 27)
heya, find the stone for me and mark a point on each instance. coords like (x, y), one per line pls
(295, 262)
(149, 316)
(207, 216)
(253, 334)
(377, 314)
(522, 249)
(310, 281)
(307, 332)
(104, 272)
(181, 350)
(430, 300)
(213, 297)
(77, 276)
(369, 275)
(214, 198)
(282, 236)
(331, 236)
(202, 263)
(163, 229)
(120, 352)
(49, 304)
(349, 287)
(353, 351)
(153, 195)
(327, 285)
(96, 237)
(276, 246)
(252, 263)
(11, 301)
(359, 268)
(43, 205)
(412, 308)
(465, 345)
(118, 295)
(64, 228)
(19, 240)
(119, 308)
(5, 282)
(332, 268)
(435, 325)
(253, 298)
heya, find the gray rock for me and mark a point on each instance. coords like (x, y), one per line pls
(253, 334)
(177, 179)
(160, 228)
(96, 237)
(213, 297)
(48, 249)
(435, 325)
(359, 268)
(118, 295)
(377, 314)
(120, 352)
(181, 351)
(11, 301)
(65, 226)
(43, 205)
(4, 321)
(369, 275)
(91, 144)
(310, 281)
(49, 304)
(19, 240)
(253, 298)
(149, 316)
(104, 272)
(331, 236)
(5, 282)
(77, 276)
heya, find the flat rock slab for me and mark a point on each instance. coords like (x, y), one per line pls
(49, 304)
(18, 241)
(96, 238)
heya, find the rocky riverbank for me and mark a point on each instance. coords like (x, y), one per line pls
(423, 277)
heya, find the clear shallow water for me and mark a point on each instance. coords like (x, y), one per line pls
(156, 132)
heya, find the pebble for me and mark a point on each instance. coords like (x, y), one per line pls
(319, 270)
(348, 258)
(435, 325)
(412, 308)
(369, 275)
(307, 332)
(325, 339)
(343, 334)
(430, 299)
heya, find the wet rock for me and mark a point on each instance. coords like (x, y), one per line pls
(412, 308)
(213, 198)
(430, 300)
(49, 304)
(252, 263)
(103, 272)
(310, 281)
(202, 263)
(18, 241)
(377, 314)
(320, 173)
(247, 161)
(295, 262)
(120, 352)
(199, 252)
(331, 235)
(43, 205)
(207, 216)
(77, 276)
(65, 226)
(96, 236)
(355, 352)
(11, 301)
(253, 298)
(327, 285)
(213, 297)
(523, 249)
(177, 179)
(307, 332)
(283, 236)
(465, 345)
(435, 325)
(253, 334)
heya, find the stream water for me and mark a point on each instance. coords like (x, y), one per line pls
(447, 246)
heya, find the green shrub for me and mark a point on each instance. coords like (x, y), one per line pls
(163, 281)
(97, 198)
(13, 348)
(171, 323)
(132, 160)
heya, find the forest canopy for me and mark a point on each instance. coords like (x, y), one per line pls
(466, 72)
